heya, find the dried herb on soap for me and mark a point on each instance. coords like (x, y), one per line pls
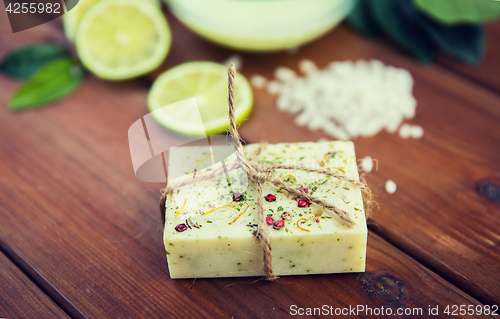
(270, 198)
(212, 210)
(278, 224)
(237, 197)
(302, 219)
(303, 189)
(239, 215)
(269, 220)
(303, 203)
(286, 216)
(180, 210)
(314, 189)
(180, 228)
(288, 178)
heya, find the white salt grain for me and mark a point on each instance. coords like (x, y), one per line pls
(304, 118)
(367, 164)
(413, 131)
(390, 187)
(307, 66)
(405, 131)
(258, 81)
(417, 131)
(273, 87)
(283, 73)
(315, 123)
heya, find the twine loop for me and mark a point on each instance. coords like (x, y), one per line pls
(261, 176)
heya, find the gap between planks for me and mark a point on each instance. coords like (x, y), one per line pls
(39, 281)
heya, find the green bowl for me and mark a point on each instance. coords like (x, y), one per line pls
(261, 25)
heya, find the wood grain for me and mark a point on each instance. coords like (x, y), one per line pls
(21, 298)
(72, 211)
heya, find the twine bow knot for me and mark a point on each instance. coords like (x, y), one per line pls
(264, 174)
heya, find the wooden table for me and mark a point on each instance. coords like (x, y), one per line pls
(80, 236)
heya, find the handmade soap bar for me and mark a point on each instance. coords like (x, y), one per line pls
(209, 228)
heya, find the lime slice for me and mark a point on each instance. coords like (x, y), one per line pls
(72, 19)
(207, 83)
(122, 39)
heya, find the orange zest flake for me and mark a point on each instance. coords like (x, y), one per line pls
(322, 161)
(289, 175)
(180, 209)
(340, 169)
(307, 230)
(239, 215)
(201, 161)
(213, 210)
(281, 191)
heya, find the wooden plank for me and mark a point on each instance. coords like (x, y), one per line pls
(486, 73)
(21, 298)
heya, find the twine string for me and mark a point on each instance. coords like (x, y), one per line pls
(263, 234)
(261, 175)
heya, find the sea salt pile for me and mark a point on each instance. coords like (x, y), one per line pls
(346, 99)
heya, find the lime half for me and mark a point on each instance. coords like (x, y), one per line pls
(207, 83)
(122, 39)
(72, 19)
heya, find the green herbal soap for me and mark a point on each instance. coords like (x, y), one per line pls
(209, 228)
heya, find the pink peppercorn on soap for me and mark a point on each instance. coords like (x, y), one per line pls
(209, 227)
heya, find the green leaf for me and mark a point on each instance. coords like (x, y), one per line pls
(465, 42)
(54, 81)
(460, 11)
(396, 18)
(360, 20)
(24, 61)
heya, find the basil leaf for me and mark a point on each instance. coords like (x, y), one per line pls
(54, 81)
(360, 20)
(397, 19)
(24, 61)
(459, 11)
(465, 42)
